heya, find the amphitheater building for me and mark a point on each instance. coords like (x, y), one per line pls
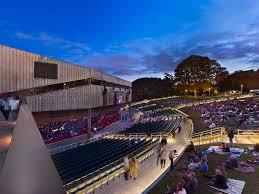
(52, 85)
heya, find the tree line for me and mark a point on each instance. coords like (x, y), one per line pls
(195, 75)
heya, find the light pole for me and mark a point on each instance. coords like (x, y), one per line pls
(185, 92)
(242, 88)
(209, 91)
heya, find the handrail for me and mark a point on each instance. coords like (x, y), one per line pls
(75, 144)
(208, 132)
(247, 132)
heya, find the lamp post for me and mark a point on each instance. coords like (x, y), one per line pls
(209, 91)
(185, 92)
(241, 88)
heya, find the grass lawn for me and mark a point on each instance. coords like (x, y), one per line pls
(198, 122)
(171, 178)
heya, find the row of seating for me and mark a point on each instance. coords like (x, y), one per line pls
(161, 112)
(153, 126)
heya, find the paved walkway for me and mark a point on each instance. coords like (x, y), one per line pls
(149, 172)
(5, 139)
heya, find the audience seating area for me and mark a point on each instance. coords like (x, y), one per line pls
(57, 131)
(87, 167)
(244, 112)
(161, 112)
(102, 121)
(154, 126)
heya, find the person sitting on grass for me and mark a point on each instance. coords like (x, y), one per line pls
(255, 160)
(226, 149)
(232, 162)
(192, 166)
(180, 189)
(204, 168)
(218, 180)
(191, 182)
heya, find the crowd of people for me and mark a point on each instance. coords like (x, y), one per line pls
(9, 106)
(60, 130)
(244, 112)
(101, 121)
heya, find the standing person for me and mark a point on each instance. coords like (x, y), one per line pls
(2, 106)
(158, 153)
(126, 167)
(14, 105)
(133, 168)
(163, 156)
(231, 136)
(179, 129)
(6, 108)
(171, 157)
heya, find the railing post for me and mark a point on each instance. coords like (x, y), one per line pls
(210, 135)
(200, 139)
(221, 134)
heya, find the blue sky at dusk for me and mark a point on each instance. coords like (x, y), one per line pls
(135, 38)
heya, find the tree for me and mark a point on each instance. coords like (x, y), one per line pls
(197, 70)
(148, 88)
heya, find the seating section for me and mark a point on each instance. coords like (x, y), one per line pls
(161, 112)
(57, 131)
(101, 121)
(84, 160)
(154, 126)
(95, 160)
(60, 130)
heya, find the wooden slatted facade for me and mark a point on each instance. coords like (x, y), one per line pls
(17, 73)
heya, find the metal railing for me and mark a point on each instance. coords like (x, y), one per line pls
(208, 136)
(137, 135)
(77, 144)
(247, 132)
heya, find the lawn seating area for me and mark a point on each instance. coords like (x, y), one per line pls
(170, 180)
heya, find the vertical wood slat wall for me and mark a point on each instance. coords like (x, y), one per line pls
(17, 73)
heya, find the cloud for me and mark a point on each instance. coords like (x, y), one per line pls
(54, 41)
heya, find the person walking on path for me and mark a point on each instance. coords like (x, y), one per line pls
(158, 153)
(133, 168)
(231, 136)
(126, 167)
(163, 156)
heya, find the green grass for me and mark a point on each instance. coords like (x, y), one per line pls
(171, 179)
(198, 122)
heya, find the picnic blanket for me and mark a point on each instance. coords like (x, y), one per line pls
(216, 149)
(234, 187)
